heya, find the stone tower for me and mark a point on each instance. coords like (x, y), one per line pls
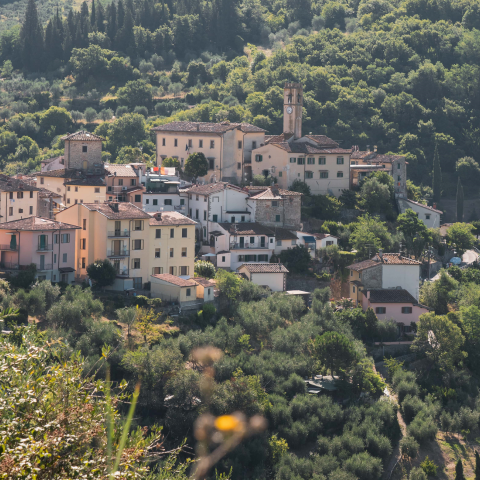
(83, 151)
(292, 109)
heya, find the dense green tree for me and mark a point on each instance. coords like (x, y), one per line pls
(135, 93)
(196, 165)
(460, 201)
(31, 37)
(102, 273)
(460, 237)
(369, 235)
(335, 352)
(437, 176)
(477, 465)
(296, 259)
(416, 234)
(459, 470)
(440, 293)
(171, 162)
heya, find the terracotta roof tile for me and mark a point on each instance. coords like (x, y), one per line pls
(205, 282)
(306, 148)
(83, 136)
(385, 259)
(170, 218)
(88, 181)
(247, 228)
(206, 127)
(268, 194)
(264, 267)
(8, 184)
(36, 223)
(62, 173)
(125, 210)
(209, 188)
(180, 282)
(120, 170)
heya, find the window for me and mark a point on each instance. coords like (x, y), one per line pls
(293, 160)
(277, 218)
(353, 289)
(223, 258)
(252, 240)
(323, 174)
(84, 224)
(84, 243)
(239, 166)
(183, 270)
(406, 309)
(31, 194)
(259, 158)
(137, 283)
(147, 201)
(239, 144)
(322, 160)
(184, 233)
(84, 262)
(205, 198)
(56, 238)
(212, 143)
(197, 198)
(10, 211)
(189, 292)
(135, 263)
(30, 210)
(311, 161)
(200, 144)
(427, 216)
(158, 233)
(262, 258)
(97, 189)
(184, 251)
(172, 233)
(137, 244)
(64, 258)
(204, 214)
(279, 243)
(232, 220)
(182, 201)
(171, 253)
(329, 242)
(381, 310)
(254, 145)
(211, 163)
(65, 238)
(242, 218)
(120, 181)
(68, 200)
(81, 201)
(399, 178)
(215, 218)
(280, 174)
(196, 213)
(274, 203)
(19, 194)
(308, 174)
(42, 180)
(167, 201)
(138, 198)
(301, 161)
(175, 142)
(84, 149)
(294, 241)
(157, 253)
(339, 174)
(157, 270)
(398, 166)
(163, 142)
(155, 201)
(190, 143)
(76, 189)
(339, 160)
(20, 210)
(138, 225)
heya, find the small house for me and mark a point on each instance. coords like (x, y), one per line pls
(174, 289)
(271, 275)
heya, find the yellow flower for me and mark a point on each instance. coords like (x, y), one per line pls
(227, 423)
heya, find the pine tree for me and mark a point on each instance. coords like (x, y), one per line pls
(459, 471)
(477, 466)
(437, 176)
(459, 201)
(31, 37)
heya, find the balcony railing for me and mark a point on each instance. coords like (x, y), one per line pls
(236, 246)
(180, 208)
(9, 247)
(121, 252)
(123, 273)
(119, 233)
(45, 266)
(43, 248)
(9, 265)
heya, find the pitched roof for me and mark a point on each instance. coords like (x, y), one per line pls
(284, 234)
(210, 188)
(390, 295)
(120, 170)
(50, 160)
(125, 210)
(307, 148)
(264, 267)
(247, 228)
(88, 181)
(422, 205)
(180, 282)
(83, 136)
(385, 259)
(321, 236)
(44, 193)
(8, 184)
(374, 157)
(61, 172)
(205, 282)
(170, 218)
(269, 194)
(283, 137)
(36, 223)
(206, 127)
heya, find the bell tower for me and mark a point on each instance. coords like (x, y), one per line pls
(292, 109)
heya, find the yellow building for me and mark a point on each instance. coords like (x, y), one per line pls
(137, 243)
(17, 199)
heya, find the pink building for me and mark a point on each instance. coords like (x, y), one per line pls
(48, 244)
(123, 183)
(394, 303)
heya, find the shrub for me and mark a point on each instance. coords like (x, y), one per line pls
(409, 446)
(429, 467)
(364, 466)
(405, 388)
(417, 474)
(155, 302)
(204, 269)
(422, 428)
(410, 407)
(140, 300)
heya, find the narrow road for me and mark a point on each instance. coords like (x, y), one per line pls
(469, 257)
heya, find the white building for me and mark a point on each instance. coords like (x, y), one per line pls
(430, 216)
(271, 275)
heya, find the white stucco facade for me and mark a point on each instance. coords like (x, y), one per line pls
(405, 276)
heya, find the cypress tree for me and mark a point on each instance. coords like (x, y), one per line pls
(437, 176)
(93, 18)
(477, 466)
(31, 37)
(459, 471)
(459, 201)
(100, 13)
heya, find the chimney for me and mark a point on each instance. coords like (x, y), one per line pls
(114, 206)
(275, 190)
(435, 205)
(158, 216)
(380, 253)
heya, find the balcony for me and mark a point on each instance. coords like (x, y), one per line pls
(44, 248)
(119, 233)
(251, 246)
(9, 265)
(44, 267)
(13, 248)
(180, 208)
(121, 252)
(124, 273)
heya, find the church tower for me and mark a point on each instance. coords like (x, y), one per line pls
(292, 109)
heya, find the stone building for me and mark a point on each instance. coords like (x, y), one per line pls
(83, 151)
(276, 207)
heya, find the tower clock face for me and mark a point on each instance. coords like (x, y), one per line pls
(289, 109)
